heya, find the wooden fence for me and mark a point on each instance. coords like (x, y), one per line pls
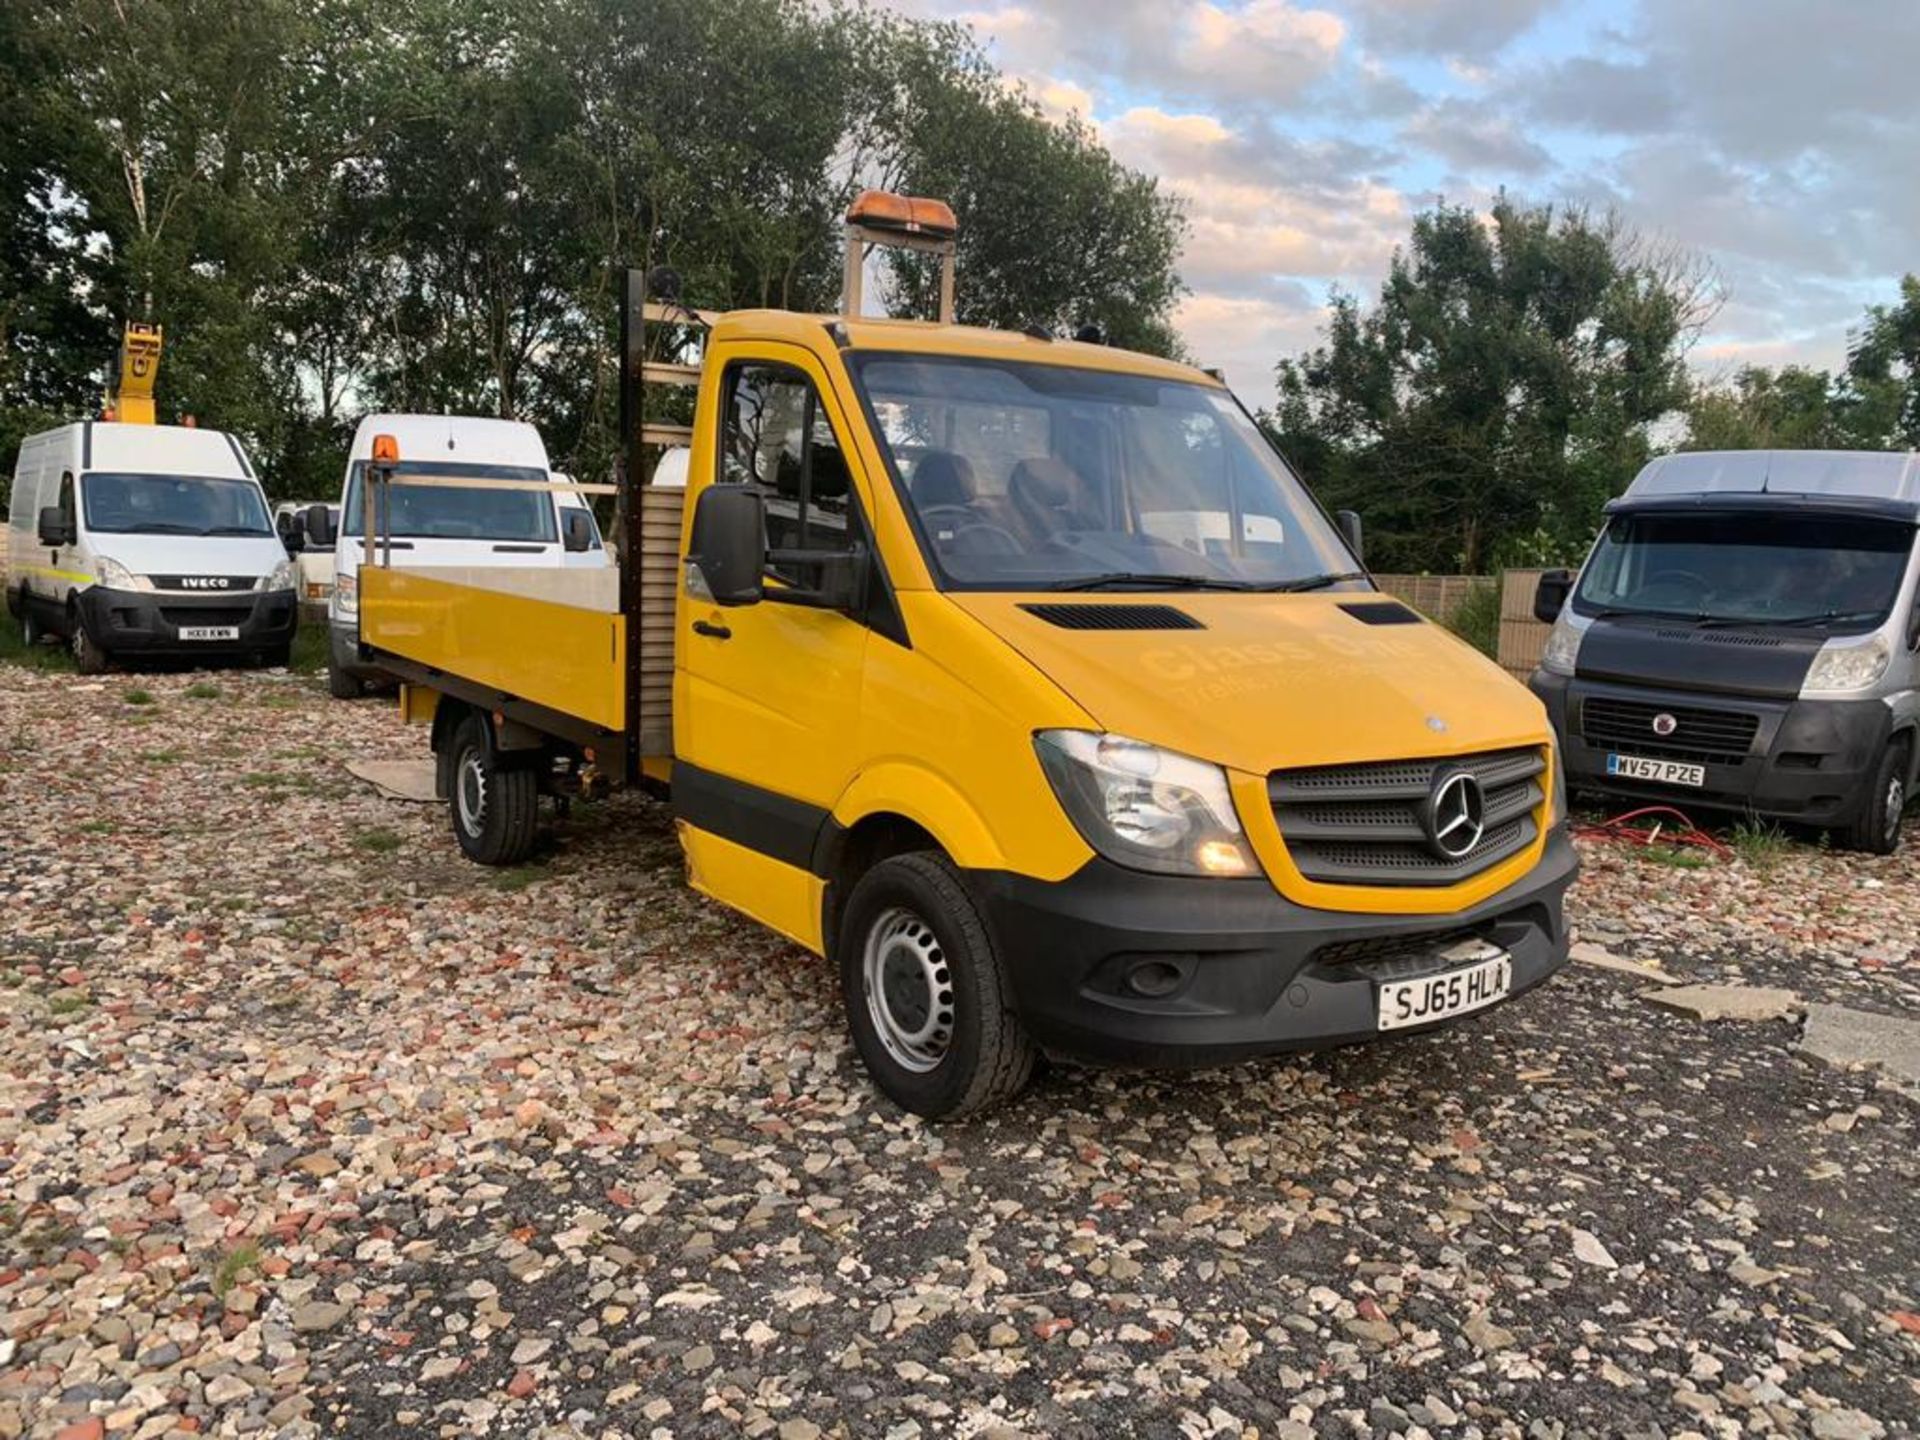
(1438, 597)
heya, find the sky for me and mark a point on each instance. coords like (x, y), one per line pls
(1777, 140)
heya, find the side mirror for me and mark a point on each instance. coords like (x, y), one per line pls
(576, 530)
(728, 548)
(56, 528)
(291, 536)
(317, 521)
(1352, 533)
(1913, 627)
(1551, 597)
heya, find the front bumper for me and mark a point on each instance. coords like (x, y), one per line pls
(1810, 761)
(345, 646)
(1257, 974)
(146, 622)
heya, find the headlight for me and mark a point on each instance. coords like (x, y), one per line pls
(1563, 647)
(281, 578)
(1840, 667)
(112, 574)
(346, 592)
(1145, 807)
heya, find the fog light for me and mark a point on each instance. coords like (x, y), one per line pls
(1221, 857)
(1154, 979)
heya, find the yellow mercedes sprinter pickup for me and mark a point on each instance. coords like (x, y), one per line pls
(1021, 680)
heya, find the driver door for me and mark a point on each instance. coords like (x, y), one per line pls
(766, 704)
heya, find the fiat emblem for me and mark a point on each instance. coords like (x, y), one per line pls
(1665, 724)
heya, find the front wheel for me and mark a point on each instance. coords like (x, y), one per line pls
(495, 811)
(1877, 831)
(342, 685)
(928, 1002)
(88, 657)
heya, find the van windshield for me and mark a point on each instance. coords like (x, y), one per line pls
(1035, 477)
(132, 504)
(476, 512)
(1838, 572)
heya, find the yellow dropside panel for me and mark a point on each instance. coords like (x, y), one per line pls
(780, 896)
(560, 656)
(417, 704)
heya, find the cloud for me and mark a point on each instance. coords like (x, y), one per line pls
(1468, 29)
(1475, 137)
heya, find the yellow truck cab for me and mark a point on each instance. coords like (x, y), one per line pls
(1020, 679)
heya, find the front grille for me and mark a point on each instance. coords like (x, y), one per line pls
(178, 615)
(1720, 736)
(1362, 824)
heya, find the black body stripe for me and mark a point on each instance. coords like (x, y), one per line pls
(775, 825)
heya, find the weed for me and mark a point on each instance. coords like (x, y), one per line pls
(378, 842)
(1675, 857)
(98, 827)
(235, 1263)
(309, 650)
(68, 1004)
(137, 696)
(1759, 842)
(201, 690)
(1476, 619)
(163, 757)
(55, 658)
(517, 877)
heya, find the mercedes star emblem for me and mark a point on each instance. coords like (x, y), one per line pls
(1456, 814)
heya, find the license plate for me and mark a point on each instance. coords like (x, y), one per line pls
(209, 632)
(1404, 1003)
(1666, 772)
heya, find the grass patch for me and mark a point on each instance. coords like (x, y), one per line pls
(13, 651)
(1759, 842)
(516, 877)
(163, 757)
(1675, 857)
(98, 827)
(309, 649)
(259, 780)
(235, 1263)
(201, 690)
(67, 1004)
(378, 842)
(138, 696)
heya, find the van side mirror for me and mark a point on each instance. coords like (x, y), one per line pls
(1913, 627)
(1352, 532)
(1551, 596)
(728, 547)
(317, 521)
(56, 527)
(576, 530)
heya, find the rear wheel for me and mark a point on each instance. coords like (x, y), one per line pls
(929, 1005)
(495, 811)
(341, 685)
(1877, 831)
(30, 632)
(88, 657)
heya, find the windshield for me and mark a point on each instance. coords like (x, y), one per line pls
(173, 505)
(1025, 477)
(479, 512)
(1789, 568)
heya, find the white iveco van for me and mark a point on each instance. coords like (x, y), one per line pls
(464, 527)
(146, 540)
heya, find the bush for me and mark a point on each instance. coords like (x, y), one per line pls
(1476, 619)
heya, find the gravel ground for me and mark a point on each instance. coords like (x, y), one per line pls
(306, 1126)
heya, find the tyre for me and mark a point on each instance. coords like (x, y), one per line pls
(341, 685)
(278, 657)
(1877, 830)
(495, 811)
(30, 632)
(88, 657)
(927, 1000)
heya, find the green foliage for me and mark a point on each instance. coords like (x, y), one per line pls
(378, 841)
(1504, 384)
(425, 205)
(1759, 842)
(1476, 619)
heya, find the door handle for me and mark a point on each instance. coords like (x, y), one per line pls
(712, 630)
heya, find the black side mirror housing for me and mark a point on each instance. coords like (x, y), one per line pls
(55, 528)
(317, 521)
(1913, 628)
(1353, 533)
(728, 547)
(1551, 597)
(576, 531)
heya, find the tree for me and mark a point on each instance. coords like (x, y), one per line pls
(1504, 385)
(1883, 370)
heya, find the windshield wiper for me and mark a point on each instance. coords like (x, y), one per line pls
(1148, 578)
(1829, 617)
(236, 530)
(1624, 612)
(160, 527)
(1311, 582)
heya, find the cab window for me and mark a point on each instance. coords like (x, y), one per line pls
(777, 437)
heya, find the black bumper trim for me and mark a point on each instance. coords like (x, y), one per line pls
(143, 622)
(1811, 761)
(1251, 976)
